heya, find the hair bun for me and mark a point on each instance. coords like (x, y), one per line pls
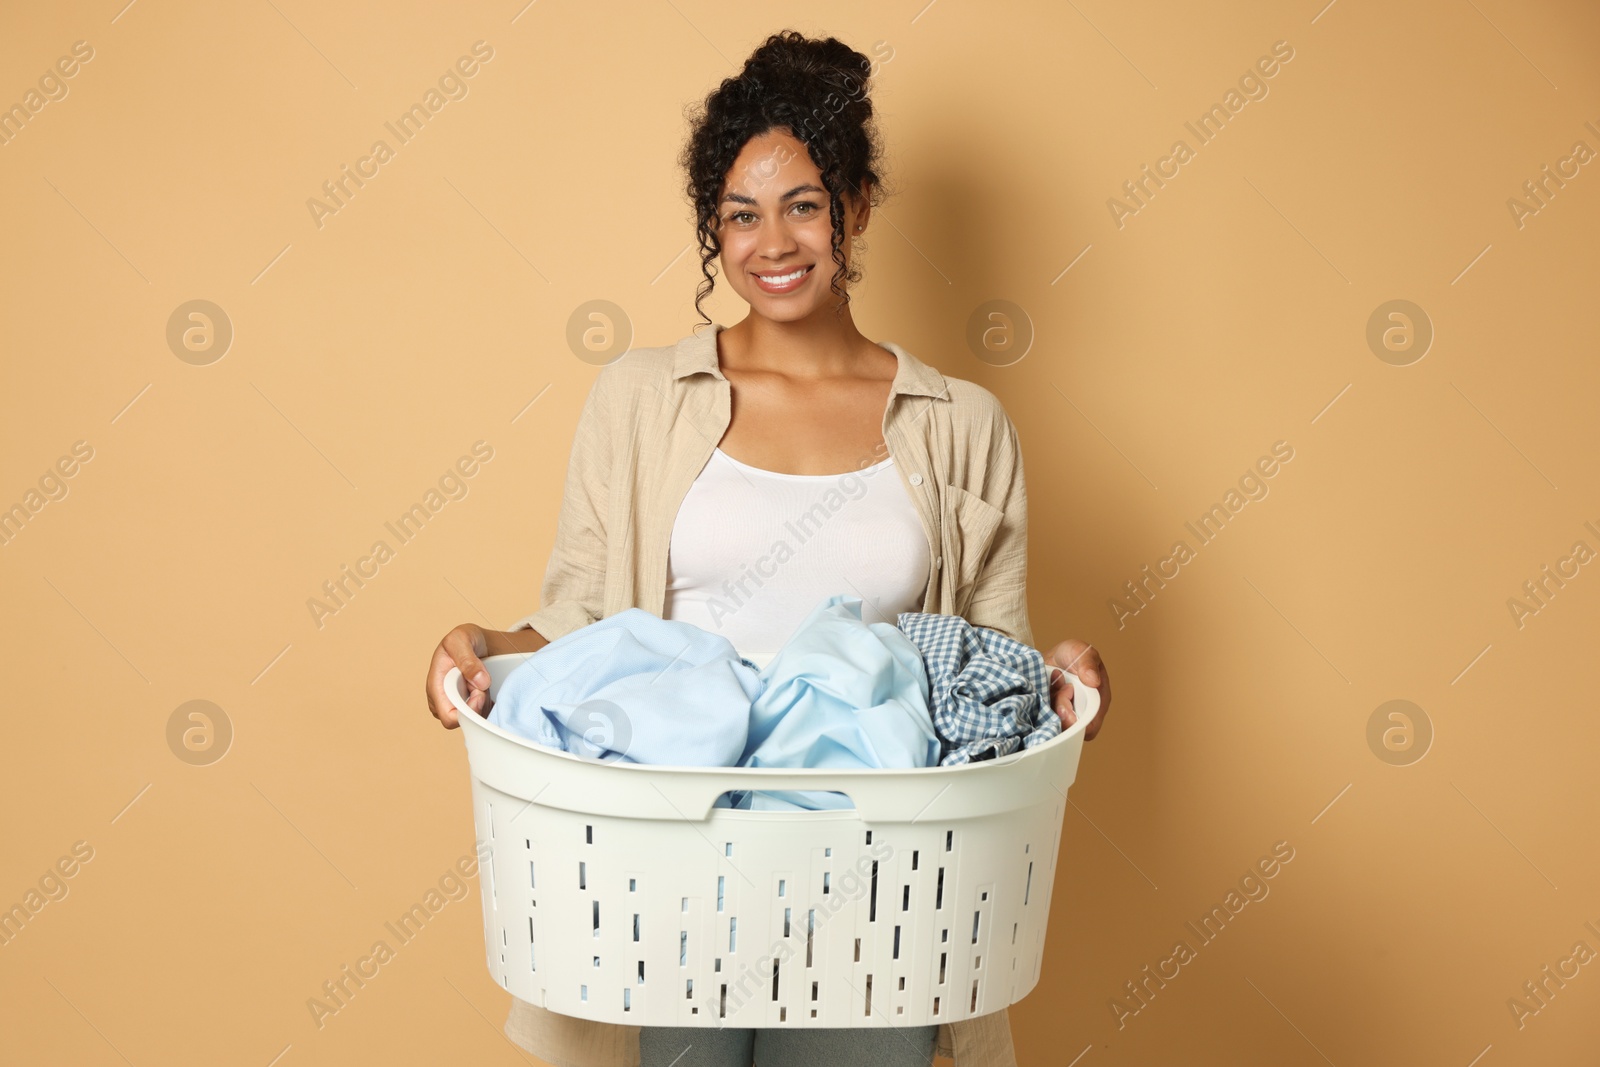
(789, 57)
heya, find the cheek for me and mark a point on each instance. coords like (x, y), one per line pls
(736, 247)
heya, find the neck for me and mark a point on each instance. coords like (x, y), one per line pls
(821, 345)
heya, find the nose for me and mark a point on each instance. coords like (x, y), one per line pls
(775, 239)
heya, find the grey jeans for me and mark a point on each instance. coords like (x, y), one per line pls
(695, 1046)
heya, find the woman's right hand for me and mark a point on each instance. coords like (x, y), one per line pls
(461, 647)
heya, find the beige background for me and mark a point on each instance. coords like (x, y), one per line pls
(1229, 313)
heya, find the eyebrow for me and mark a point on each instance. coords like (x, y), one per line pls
(796, 191)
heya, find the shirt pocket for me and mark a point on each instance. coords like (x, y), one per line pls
(968, 527)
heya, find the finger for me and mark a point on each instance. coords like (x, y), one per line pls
(445, 710)
(1061, 694)
(1092, 671)
(459, 645)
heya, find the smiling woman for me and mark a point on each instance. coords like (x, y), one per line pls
(692, 459)
(820, 190)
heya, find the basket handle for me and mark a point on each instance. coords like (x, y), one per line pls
(1085, 702)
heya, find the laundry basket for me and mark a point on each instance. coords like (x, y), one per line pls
(617, 892)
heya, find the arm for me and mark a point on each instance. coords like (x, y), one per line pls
(574, 581)
(573, 591)
(1000, 592)
(1000, 600)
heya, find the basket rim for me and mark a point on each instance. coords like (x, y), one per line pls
(1067, 735)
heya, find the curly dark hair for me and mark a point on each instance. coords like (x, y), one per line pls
(815, 89)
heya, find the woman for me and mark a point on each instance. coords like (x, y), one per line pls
(692, 461)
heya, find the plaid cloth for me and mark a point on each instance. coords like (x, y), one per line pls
(989, 694)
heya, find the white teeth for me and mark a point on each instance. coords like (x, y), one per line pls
(783, 279)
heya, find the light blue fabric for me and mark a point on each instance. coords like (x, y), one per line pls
(840, 693)
(634, 688)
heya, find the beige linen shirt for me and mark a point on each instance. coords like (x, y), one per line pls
(648, 426)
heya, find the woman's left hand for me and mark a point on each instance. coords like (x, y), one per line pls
(1083, 660)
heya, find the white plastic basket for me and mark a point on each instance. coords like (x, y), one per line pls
(616, 892)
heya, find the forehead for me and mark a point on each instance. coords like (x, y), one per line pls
(770, 164)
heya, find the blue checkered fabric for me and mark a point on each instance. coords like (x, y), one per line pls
(989, 694)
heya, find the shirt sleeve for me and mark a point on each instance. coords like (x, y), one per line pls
(573, 591)
(1000, 595)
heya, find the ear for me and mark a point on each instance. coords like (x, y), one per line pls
(861, 202)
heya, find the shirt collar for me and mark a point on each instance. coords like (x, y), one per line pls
(697, 353)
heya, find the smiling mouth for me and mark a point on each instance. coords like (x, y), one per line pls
(784, 282)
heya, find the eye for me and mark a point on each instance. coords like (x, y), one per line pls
(812, 209)
(737, 215)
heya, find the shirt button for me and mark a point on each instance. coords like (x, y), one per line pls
(916, 479)
(939, 562)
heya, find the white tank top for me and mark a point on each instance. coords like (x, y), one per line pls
(754, 551)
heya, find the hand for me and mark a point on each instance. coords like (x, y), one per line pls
(462, 648)
(1083, 660)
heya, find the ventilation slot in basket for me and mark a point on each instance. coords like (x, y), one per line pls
(1027, 889)
(774, 979)
(868, 1010)
(872, 906)
(938, 895)
(641, 972)
(811, 929)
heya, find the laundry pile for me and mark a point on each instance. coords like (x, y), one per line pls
(840, 694)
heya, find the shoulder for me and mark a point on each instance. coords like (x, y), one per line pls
(636, 375)
(977, 416)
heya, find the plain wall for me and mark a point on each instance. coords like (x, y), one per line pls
(1229, 312)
